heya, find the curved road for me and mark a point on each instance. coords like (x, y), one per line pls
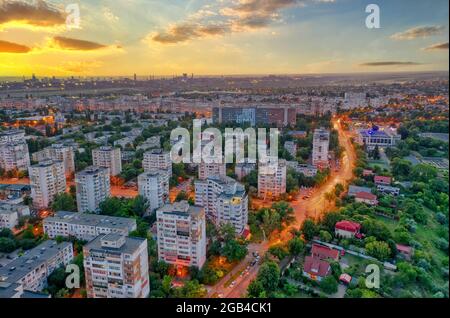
(314, 206)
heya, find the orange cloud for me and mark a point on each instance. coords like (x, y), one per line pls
(76, 44)
(10, 47)
(38, 13)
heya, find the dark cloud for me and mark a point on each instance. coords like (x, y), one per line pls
(389, 63)
(38, 13)
(76, 44)
(10, 47)
(187, 31)
(419, 32)
(438, 46)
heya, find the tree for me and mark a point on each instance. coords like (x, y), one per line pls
(338, 189)
(255, 289)
(234, 251)
(296, 246)
(401, 167)
(325, 236)
(166, 285)
(378, 249)
(269, 276)
(329, 285)
(64, 202)
(309, 229)
(7, 245)
(139, 205)
(181, 196)
(423, 173)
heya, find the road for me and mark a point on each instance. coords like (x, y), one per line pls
(314, 206)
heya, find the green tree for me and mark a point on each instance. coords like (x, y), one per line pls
(234, 251)
(329, 285)
(309, 229)
(64, 202)
(423, 173)
(296, 246)
(269, 276)
(378, 249)
(7, 245)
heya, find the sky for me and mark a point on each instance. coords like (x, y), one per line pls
(220, 37)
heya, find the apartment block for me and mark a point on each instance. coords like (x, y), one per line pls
(271, 179)
(86, 226)
(59, 152)
(30, 271)
(47, 179)
(14, 156)
(154, 186)
(157, 159)
(206, 170)
(224, 200)
(321, 143)
(108, 157)
(243, 169)
(181, 232)
(11, 213)
(116, 266)
(92, 187)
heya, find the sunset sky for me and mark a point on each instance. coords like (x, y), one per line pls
(166, 37)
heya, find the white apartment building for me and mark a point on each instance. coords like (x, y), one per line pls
(206, 170)
(10, 214)
(86, 226)
(151, 142)
(59, 152)
(321, 143)
(30, 271)
(14, 156)
(154, 186)
(305, 169)
(108, 157)
(11, 135)
(46, 180)
(271, 179)
(92, 187)
(243, 169)
(224, 200)
(116, 266)
(181, 234)
(157, 159)
(291, 148)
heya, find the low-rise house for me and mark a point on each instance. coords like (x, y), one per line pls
(382, 180)
(316, 269)
(406, 251)
(324, 252)
(388, 189)
(367, 173)
(353, 190)
(367, 198)
(347, 229)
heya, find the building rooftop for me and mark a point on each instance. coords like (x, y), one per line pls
(91, 170)
(92, 220)
(129, 246)
(181, 208)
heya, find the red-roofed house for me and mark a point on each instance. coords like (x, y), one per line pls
(367, 173)
(405, 250)
(345, 278)
(367, 198)
(347, 229)
(315, 268)
(324, 252)
(382, 180)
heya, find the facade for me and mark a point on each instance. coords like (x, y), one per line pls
(321, 143)
(243, 169)
(305, 169)
(181, 232)
(291, 148)
(92, 187)
(14, 156)
(375, 137)
(224, 200)
(206, 170)
(367, 198)
(382, 180)
(11, 135)
(10, 214)
(278, 114)
(30, 271)
(347, 229)
(152, 142)
(154, 186)
(272, 179)
(47, 179)
(116, 266)
(108, 157)
(157, 159)
(59, 152)
(388, 190)
(85, 226)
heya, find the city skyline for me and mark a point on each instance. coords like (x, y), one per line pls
(221, 37)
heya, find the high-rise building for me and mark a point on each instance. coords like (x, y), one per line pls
(154, 186)
(86, 226)
(157, 159)
(108, 157)
(321, 142)
(11, 135)
(181, 234)
(116, 266)
(206, 170)
(59, 152)
(14, 156)
(224, 200)
(272, 179)
(47, 179)
(92, 187)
